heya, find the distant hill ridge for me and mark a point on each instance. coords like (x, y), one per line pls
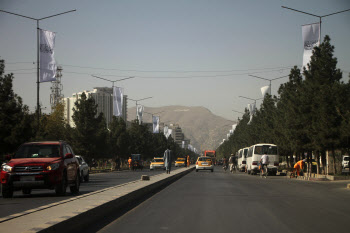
(199, 124)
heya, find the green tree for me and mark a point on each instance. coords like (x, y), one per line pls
(15, 121)
(90, 133)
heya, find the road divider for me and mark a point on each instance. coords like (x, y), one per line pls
(76, 213)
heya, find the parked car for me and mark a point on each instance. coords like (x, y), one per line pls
(83, 168)
(157, 163)
(49, 165)
(204, 163)
(180, 162)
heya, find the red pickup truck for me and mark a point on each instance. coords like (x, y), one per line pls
(50, 164)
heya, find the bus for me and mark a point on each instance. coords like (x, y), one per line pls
(242, 158)
(254, 155)
(211, 154)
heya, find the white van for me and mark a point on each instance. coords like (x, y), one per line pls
(345, 162)
(242, 157)
(254, 155)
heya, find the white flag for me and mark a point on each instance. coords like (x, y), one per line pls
(117, 101)
(231, 131)
(311, 38)
(183, 144)
(170, 131)
(251, 108)
(46, 55)
(155, 124)
(139, 113)
(234, 127)
(165, 129)
(265, 90)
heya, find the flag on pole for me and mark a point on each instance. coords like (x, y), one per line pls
(165, 129)
(117, 101)
(155, 124)
(47, 72)
(183, 145)
(139, 113)
(311, 38)
(234, 127)
(251, 108)
(265, 90)
(170, 131)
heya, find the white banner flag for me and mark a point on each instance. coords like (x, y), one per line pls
(117, 101)
(170, 131)
(234, 127)
(231, 131)
(251, 108)
(265, 90)
(46, 55)
(183, 144)
(311, 38)
(165, 129)
(155, 124)
(139, 112)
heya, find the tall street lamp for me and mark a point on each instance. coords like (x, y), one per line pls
(38, 45)
(136, 101)
(268, 80)
(318, 16)
(250, 99)
(111, 80)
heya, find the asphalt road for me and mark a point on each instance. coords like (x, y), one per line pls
(223, 202)
(41, 197)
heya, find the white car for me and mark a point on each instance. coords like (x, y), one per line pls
(84, 169)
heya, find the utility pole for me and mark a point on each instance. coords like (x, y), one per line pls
(38, 47)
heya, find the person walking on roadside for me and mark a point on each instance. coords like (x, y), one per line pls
(130, 163)
(264, 161)
(232, 163)
(188, 160)
(167, 160)
(299, 166)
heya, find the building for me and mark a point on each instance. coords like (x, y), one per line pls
(103, 97)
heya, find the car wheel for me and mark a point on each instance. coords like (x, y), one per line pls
(86, 178)
(75, 188)
(26, 191)
(62, 186)
(7, 191)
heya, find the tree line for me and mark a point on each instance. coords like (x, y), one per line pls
(310, 114)
(90, 137)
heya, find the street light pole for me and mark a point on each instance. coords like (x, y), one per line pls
(138, 101)
(270, 80)
(250, 99)
(318, 16)
(38, 46)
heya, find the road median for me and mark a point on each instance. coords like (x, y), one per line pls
(75, 213)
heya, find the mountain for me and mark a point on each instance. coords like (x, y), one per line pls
(199, 124)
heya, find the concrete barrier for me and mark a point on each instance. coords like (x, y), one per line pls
(75, 214)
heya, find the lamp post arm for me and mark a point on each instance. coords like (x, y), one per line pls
(301, 11)
(335, 13)
(19, 15)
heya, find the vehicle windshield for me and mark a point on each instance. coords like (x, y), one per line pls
(245, 153)
(79, 160)
(38, 151)
(204, 159)
(210, 154)
(269, 150)
(157, 160)
(346, 158)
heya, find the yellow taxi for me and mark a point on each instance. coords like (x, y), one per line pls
(180, 162)
(204, 163)
(157, 163)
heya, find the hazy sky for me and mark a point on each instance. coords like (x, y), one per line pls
(183, 52)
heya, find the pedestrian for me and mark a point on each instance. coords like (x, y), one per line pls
(232, 163)
(130, 163)
(117, 163)
(299, 166)
(188, 161)
(185, 161)
(264, 161)
(167, 160)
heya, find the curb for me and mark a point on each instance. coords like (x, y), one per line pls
(84, 219)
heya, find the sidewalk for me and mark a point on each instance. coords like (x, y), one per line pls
(74, 213)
